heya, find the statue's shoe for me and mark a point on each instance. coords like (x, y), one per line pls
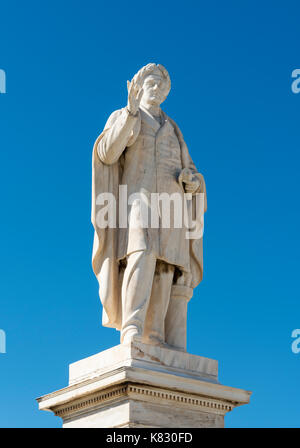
(131, 335)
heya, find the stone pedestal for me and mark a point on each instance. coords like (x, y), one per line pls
(140, 385)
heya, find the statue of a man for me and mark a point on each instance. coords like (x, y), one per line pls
(146, 275)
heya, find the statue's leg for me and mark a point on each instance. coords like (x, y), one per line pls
(136, 291)
(154, 332)
(175, 323)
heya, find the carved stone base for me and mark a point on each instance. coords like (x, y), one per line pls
(140, 385)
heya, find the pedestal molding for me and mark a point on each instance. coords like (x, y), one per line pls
(144, 393)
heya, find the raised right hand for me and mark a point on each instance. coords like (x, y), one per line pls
(135, 93)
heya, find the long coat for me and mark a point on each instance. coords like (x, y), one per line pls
(147, 157)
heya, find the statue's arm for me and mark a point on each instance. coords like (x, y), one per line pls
(188, 163)
(121, 130)
(189, 166)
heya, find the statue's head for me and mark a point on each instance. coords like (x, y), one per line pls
(156, 84)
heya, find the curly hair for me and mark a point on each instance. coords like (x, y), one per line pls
(145, 71)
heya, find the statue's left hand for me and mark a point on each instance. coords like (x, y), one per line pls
(191, 184)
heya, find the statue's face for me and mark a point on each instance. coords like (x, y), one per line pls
(154, 92)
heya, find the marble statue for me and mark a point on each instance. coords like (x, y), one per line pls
(146, 274)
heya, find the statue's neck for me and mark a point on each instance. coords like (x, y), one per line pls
(155, 111)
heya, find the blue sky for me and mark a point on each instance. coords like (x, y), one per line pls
(230, 62)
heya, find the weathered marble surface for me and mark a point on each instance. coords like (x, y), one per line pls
(148, 357)
(140, 385)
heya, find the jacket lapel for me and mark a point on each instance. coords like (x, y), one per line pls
(164, 129)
